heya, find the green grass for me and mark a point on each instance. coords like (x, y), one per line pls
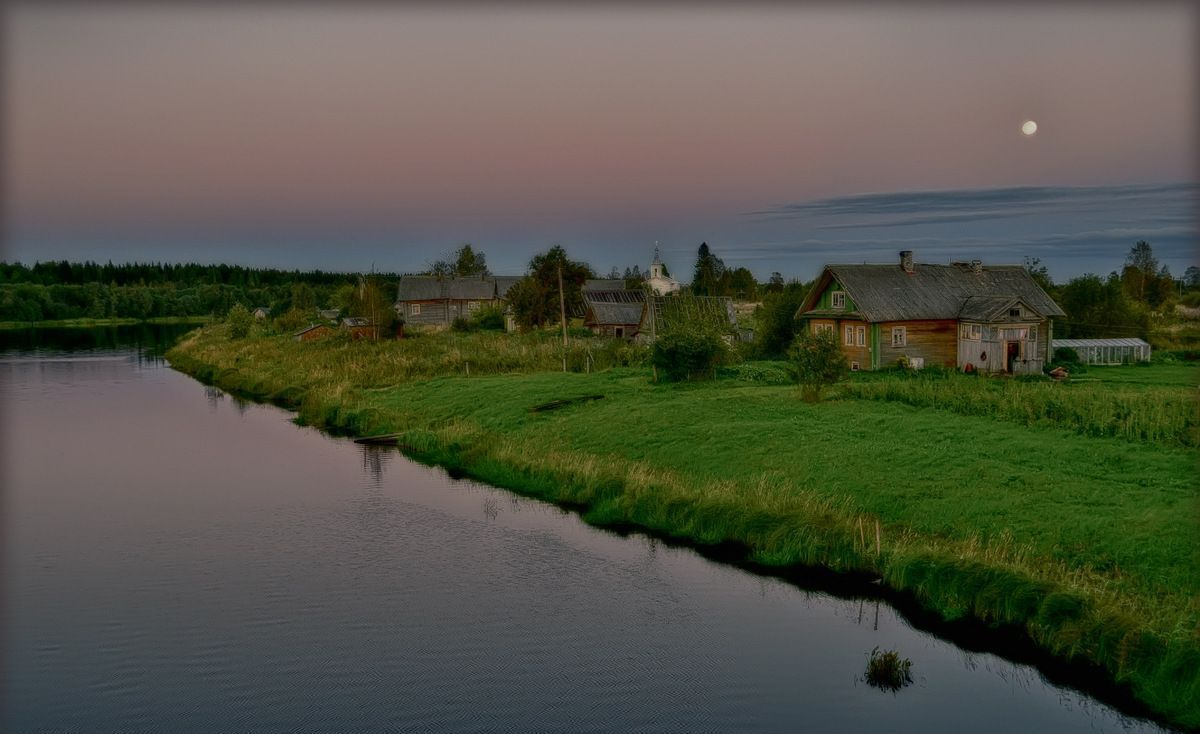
(90, 323)
(1147, 404)
(1087, 542)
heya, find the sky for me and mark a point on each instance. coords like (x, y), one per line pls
(348, 136)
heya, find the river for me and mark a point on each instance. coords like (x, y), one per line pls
(179, 560)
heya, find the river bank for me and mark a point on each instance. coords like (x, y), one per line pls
(1085, 544)
(94, 323)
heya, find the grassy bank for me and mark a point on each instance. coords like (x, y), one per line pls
(94, 323)
(1086, 543)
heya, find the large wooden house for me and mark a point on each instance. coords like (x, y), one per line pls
(990, 318)
(431, 301)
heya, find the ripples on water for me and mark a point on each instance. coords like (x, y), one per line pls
(178, 560)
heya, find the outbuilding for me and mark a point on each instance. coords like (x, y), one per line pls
(1107, 351)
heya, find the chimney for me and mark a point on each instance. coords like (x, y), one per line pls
(977, 267)
(906, 260)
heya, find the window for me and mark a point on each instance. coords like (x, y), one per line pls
(1033, 333)
(415, 309)
(861, 334)
(972, 332)
(854, 367)
(899, 336)
(849, 336)
(472, 305)
(819, 328)
(1014, 312)
(837, 299)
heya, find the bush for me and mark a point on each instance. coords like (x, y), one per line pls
(688, 354)
(489, 319)
(463, 325)
(240, 320)
(1066, 355)
(760, 373)
(819, 362)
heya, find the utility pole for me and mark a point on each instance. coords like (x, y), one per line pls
(562, 311)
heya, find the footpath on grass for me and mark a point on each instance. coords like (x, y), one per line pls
(1086, 545)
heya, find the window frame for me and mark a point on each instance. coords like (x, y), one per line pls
(860, 336)
(837, 299)
(414, 309)
(848, 337)
(902, 332)
(819, 328)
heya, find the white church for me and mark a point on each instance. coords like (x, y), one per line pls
(660, 283)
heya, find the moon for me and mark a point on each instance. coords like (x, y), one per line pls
(1028, 128)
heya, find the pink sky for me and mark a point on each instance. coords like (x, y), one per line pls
(532, 124)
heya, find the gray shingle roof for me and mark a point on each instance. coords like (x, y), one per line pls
(429, 288)
(604, 285)
(603, 314)
(504, 282)
(888, 293)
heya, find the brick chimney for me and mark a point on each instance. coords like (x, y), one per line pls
(906, 260)
(977, 266)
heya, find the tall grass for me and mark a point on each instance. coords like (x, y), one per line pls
(1164, 415)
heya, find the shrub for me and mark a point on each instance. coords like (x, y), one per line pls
(819, 362)
(240, 320)
(489, 319)
(760, 373)
(1066, 356)
(688, 354)
(463, 325)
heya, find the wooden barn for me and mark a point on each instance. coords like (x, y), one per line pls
(609, 309)
(358, 327)
(316, 331)
(992, 318)
(430, 301)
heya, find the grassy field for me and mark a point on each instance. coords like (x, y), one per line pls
(1087, 541)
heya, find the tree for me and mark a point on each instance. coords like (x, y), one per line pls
(688, 354)
(707, 276)
(819, 362)
(775, 283)
(1039, 273)
(742, 285)
(535, 299)
(1098, 307)
(1141, 267)
(368, 298)
(464, 263)
(1191, 277)
(240, 320)
(776, 320)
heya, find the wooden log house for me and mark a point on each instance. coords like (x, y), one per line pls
(992, 318)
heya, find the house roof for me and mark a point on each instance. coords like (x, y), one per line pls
(603, 313)
(888, 293)
(307, 329)
(990, 308)
(505, 282)
(429, 288)
(351, 321)
(604, 285)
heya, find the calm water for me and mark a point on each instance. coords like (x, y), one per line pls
(177, 560)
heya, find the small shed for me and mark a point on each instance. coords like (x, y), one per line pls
(316, 331)
(620, 320)
(261, 312)
(358, 327)
(1107, 351)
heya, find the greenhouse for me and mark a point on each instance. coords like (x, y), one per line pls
(1106, 351)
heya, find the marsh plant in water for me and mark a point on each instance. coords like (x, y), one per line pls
(887, 670)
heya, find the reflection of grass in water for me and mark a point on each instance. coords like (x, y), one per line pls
(1087, 544)
(887, 670)
(491, 508)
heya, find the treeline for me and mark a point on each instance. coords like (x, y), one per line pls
(65, 290)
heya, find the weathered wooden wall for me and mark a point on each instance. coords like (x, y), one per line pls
(935, 341)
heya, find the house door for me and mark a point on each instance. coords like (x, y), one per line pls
(1012, 352)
